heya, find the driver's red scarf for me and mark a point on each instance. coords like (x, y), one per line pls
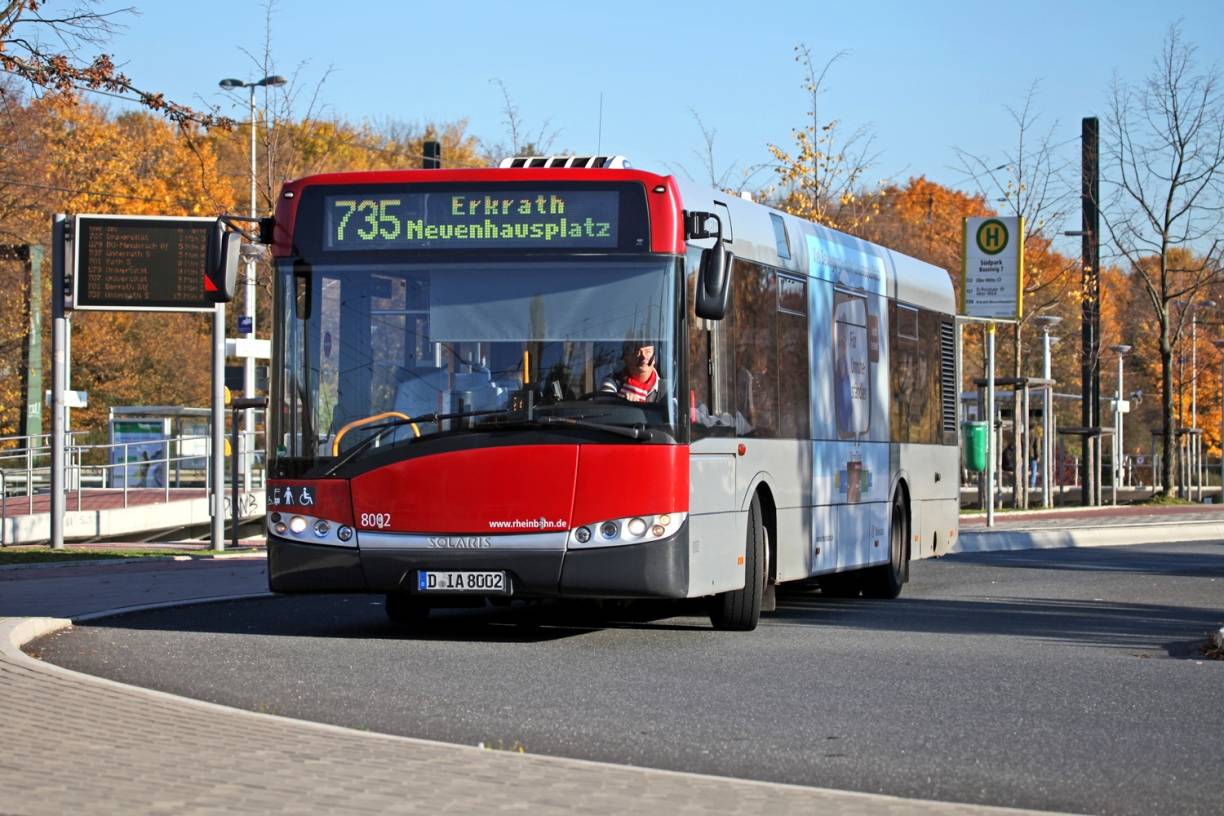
(636, 390)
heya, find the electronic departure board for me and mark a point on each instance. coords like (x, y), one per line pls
(137, 263)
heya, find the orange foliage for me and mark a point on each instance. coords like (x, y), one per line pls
(77, 159)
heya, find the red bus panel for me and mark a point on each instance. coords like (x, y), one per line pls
(523, 489)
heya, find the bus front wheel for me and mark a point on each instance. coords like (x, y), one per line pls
(886, 580)
(740, 609)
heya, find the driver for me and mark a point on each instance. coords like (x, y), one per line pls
(638, 381)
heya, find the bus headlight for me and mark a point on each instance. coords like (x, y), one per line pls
(631, 530)
(313, 530)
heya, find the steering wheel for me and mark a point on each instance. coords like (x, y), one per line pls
(601, 396)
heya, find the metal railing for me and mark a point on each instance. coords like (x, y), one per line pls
(190, 457)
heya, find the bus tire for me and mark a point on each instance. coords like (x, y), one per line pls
(886, 580)
(740, 609)
(405, 610)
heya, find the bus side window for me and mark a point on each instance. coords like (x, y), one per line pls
(794, 398)
(709, 364)
(755, 311)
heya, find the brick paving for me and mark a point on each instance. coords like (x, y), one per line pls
(73, 743)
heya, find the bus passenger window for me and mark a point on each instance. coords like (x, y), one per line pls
(755, 304)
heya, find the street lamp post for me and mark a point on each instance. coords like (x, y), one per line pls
(1193, 468)
(1047, 322)
(248, 365)
(1195, 438)
(1121, 350)
(1220, 345)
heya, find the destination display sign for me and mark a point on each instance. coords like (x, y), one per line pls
(141, 263)
(494, 218)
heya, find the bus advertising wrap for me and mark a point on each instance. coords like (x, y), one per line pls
(472, 219)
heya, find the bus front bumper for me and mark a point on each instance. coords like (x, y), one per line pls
(537, 566)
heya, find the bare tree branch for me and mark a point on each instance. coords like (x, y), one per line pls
(1166, 152)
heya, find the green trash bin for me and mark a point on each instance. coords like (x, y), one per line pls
(973, 450)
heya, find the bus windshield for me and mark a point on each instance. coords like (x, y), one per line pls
(364, 347)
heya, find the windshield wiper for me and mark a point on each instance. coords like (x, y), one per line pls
(632, 432)
(391, 425)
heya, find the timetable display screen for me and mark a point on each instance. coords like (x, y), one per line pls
(141, 263)
(474, 219)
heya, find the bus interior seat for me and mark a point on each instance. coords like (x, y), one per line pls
(417, 393)
(485, 395)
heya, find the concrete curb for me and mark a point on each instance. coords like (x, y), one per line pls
(95, 562)
(17, 632)
(983, 540)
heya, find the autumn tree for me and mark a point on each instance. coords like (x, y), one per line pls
(820, 181)
(75, 157)
(1164, 161)
(920, 218)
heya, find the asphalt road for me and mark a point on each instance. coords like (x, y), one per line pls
(1057, 679)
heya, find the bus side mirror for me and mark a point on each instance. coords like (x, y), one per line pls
(221, 265)
(714, 274)
(713, 283)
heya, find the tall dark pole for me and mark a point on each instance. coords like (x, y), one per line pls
(432, 160)
(1091, 307)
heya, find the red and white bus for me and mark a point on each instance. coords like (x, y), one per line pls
(450, 421)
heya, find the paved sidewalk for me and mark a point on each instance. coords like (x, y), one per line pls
(1090, 527)
(75, 743)
(1087, 516)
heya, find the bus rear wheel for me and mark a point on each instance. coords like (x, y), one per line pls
(886, 580)
(405, 610)
(740, 609)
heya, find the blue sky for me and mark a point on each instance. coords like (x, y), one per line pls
(925, 77)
